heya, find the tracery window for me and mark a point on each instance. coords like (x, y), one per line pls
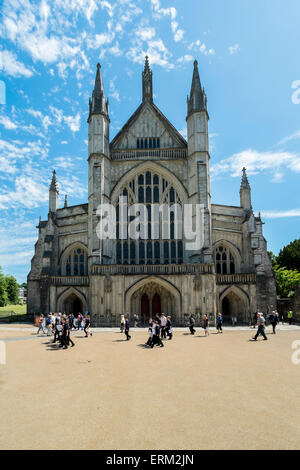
(76, 263)
(224, 260)
(148, 143)
(149, 188)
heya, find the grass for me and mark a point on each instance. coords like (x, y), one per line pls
(17, 309)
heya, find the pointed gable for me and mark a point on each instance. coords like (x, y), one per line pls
(147, 122)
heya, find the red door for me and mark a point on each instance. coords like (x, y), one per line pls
(145, 308)
(156, 305)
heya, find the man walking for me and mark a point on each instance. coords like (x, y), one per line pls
(273, 320)
(169, 327)
(163, 324)
(127, 326)
(191, 325)
(260, 327)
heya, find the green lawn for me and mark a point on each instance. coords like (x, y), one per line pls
(17, 309)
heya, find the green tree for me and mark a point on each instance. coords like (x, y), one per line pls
(289, 256)
(12, 290)
(273, 258)
(3, 294)
(287, 281)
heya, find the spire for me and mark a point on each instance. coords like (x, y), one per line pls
(197, 100)
(98, 104)
(54, 185)
(245, 183)
(53, 194)
(66, 201)
(245, 192)
(147, 82)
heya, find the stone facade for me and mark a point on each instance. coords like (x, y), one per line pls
(149, 162)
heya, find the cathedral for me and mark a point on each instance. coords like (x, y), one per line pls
(149, 162)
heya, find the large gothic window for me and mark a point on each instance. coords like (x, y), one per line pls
(150, 188)
(75, 264)
(224, 260)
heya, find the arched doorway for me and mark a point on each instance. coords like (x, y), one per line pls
(73, 304)
(156, 293)
(234, 304)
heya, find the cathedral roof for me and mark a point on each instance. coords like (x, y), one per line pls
(146, 106)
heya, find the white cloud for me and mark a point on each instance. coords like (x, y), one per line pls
(201, 47)
(234, 49)
(7, 123)
(10, 65)
(280, 214)
(294, 136)
(145, 34)
(257, 162)
(112, 89)
(159, 13)
(186, 58)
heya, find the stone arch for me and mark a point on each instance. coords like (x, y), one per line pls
(234, 301)
(157, 285)
(68, 293)
(66, 253)
(235, 251)
(155, 168)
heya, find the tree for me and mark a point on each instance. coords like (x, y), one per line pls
(273, 258)
(289, 256)
(287, 281)
(12, 290)
(3, 294)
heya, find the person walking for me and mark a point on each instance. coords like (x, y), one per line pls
(163, 323)
(219, 323)
(48, 325)
(68, 334)
(87, 324)
(127, 327)
(122, 323)
(260, 327)
(41, 325)
(192, 324)
(169, 328)
(206, 325)
(57, 329)
(290, 317)
(79, 321)
(156, 335)
(150, 338)
(273, 320)
(71, 321)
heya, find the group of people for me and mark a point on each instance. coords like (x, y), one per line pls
(60, 325)
(205, 324)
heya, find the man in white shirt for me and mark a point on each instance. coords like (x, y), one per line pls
(163, 323)
(260, 327)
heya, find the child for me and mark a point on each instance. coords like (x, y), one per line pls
(206, 325)
(149, 342)
(219, 323)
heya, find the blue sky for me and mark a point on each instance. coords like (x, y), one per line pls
(248, 55)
